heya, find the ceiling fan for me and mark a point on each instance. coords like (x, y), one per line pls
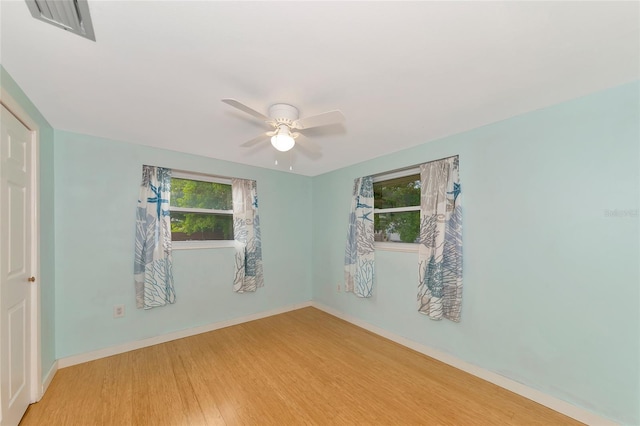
(284, 119)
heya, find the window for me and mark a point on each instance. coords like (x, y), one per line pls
(397, 207)
(201, 208)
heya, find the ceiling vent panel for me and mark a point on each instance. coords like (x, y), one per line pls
(70, 15)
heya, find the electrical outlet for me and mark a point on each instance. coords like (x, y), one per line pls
(339, 286)
(118, 311)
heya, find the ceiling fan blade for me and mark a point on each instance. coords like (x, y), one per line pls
(255, 141)
(326, 118)
(242, 107)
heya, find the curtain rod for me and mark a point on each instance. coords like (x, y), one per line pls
(402, 169)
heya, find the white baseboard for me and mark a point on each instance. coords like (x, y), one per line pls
(130, 346)
(48, 378)
(556, 404)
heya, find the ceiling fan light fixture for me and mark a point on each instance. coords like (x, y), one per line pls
(283, 140)
(284, 118)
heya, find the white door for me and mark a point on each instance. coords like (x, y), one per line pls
(15, 268)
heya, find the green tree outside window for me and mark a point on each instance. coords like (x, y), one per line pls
(187, 193)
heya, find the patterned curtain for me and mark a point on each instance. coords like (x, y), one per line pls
(359, 252)
(152, 267)
(440, 249)
(246, 229)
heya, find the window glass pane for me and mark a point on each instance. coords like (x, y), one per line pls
(400, 192)
(201, 226)
(402, 227)
(199, 194)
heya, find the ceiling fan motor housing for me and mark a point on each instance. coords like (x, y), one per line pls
(283, 113)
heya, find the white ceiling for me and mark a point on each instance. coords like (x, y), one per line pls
(403, 73)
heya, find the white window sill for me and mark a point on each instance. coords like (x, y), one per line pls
(194, 245)
(401, 247)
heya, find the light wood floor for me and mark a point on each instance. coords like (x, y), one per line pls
(301, 367)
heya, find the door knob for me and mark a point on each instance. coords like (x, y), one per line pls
(31, 279)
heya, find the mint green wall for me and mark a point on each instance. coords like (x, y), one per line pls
(47, 240)
(551, 294)
(96, 191)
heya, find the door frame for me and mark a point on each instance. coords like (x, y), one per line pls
(35, 381)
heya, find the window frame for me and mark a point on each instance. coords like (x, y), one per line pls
(390, 246)
(200, 244)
